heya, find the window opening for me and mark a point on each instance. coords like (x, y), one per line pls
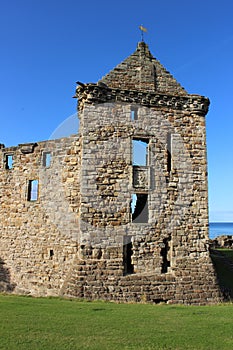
(134, 113)
(9, 161)
(46, 159)
(33, 190)
(139, 207)
(169, 152)
(140, 152)
(51, 253)
(165, 255)
(127, 255)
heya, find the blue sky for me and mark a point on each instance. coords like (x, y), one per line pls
(47, 45)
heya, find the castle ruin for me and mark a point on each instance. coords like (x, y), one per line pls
(118, 211)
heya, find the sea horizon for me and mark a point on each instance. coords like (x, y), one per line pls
(219, 228)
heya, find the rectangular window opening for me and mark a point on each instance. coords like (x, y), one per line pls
(46, 159)
(169, 152)
(9, 161)
(134, 113)
(139, 208)
(32, 190)
(140, 152)
(127, 255)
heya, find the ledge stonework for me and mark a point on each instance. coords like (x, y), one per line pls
(93, 93)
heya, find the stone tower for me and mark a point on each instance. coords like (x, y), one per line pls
(143, 194)
(118, 211)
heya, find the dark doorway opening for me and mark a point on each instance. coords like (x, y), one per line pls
(127, 255)
(165, 255)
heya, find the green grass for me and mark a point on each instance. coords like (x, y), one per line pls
(60, 324)
(228, 253)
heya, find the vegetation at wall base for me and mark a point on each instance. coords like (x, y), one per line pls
(62, 324)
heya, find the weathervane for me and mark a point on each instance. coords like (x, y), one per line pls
(143, 30)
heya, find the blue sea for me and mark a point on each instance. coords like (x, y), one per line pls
(220, 228)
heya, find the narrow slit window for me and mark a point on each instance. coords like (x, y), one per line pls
(32, 190)
(9, 161)
(127, 255)
(165, 253)
(46, 159)
(134, 113)
(139, 208)
(140, 152)
(169, 152)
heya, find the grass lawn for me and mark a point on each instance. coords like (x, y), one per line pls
(60, 324)
(228, 253)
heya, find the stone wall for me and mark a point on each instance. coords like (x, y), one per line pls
(39, 237)
(177, 201)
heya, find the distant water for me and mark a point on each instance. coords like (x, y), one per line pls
(220, 228)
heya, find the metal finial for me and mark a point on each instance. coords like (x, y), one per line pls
(143, 30)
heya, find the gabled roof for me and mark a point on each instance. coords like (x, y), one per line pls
(142, 72)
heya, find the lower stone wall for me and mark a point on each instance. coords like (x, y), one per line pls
(192, 282)
(37, 265)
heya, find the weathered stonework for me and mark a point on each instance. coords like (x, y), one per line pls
(102, 227)
(39, 238)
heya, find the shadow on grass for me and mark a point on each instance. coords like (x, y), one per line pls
(5, 280)
(223, 263)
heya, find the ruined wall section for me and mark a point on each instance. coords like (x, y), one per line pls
(38, 237)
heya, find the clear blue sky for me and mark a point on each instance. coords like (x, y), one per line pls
(47, 45)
